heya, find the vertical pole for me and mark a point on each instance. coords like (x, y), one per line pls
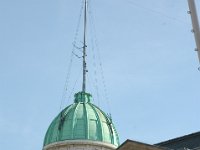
(84, 48)
(195, 24)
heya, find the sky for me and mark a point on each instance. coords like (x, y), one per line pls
(149, 79)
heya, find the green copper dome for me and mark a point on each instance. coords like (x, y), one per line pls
(82, 121)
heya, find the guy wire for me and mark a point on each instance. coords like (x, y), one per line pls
(67, 80)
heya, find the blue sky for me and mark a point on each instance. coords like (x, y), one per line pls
(148, 58)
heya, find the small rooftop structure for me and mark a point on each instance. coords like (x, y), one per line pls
(134, 145)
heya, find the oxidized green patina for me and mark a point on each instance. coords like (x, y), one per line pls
(82, 121)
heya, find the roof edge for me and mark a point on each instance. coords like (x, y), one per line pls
(137, 142)
(178, 138)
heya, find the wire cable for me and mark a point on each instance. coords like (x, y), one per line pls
(99, 58)
(75, 83)
(67, 80)
(133, 3)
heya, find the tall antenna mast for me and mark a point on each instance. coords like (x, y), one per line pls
(195, 24)
(84, 48)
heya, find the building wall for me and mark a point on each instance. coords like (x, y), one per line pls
(80, 145)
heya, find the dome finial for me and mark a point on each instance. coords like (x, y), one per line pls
(82, 97)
